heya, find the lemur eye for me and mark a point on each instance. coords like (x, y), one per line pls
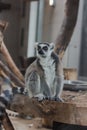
(39, 47)
(45, 48)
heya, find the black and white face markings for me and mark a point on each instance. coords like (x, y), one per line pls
(44, 77)
(44, 49)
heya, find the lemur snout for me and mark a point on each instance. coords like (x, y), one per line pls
(41, 52)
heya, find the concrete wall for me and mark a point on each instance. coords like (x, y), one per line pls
(83, 55)
(53, 17)
(32, 29)
(11, 36)
(72, 55)
(24, 26)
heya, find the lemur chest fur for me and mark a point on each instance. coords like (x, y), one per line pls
(49, 71)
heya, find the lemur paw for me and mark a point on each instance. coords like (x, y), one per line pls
(58, 99)
(40, 97)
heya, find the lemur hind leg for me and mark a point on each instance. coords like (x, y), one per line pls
(33, 86)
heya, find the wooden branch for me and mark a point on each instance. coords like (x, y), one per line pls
(9, 60)
(14, 78)
(67, 28)
(2, 73)
(7, 123)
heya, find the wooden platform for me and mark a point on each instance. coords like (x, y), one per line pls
(72, 111)
(25, 124)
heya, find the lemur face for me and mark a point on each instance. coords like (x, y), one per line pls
(44, 49)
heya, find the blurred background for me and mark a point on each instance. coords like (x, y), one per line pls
(33, 21)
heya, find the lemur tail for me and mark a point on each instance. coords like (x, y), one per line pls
(6, 98)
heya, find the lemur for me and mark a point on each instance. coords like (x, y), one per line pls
(44, 77)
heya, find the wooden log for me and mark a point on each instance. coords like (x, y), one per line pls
(70, 73)
(7, 123)
(67, 112)
(24, 101)
(8, 59)
(67, 28)
(14, 78)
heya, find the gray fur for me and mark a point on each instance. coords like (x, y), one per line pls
(39, 84)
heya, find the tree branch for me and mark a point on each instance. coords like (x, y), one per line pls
(14, 78)
(67, 28)
(8, 59)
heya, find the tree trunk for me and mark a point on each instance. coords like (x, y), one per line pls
(67, 28)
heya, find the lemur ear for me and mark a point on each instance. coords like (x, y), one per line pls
(52, 45)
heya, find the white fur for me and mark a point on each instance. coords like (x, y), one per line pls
(49, 70)
(40, 88)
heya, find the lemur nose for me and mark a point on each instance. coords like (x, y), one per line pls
(41, 51)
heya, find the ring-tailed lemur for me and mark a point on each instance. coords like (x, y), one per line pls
(44, 77)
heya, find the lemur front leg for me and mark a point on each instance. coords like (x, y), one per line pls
(33, 86)
(58, 88)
